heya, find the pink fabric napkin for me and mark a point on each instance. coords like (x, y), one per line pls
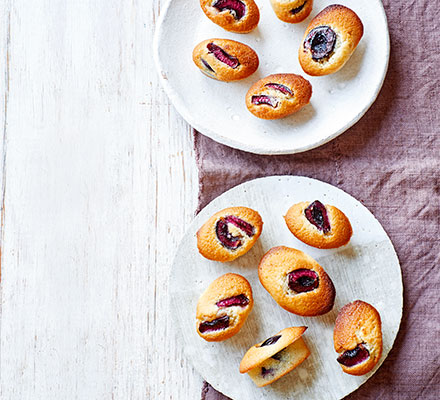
(390, 161)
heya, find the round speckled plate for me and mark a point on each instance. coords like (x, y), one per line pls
(218, 110)
(366, 269)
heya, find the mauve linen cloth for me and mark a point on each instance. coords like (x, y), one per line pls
(390, 161)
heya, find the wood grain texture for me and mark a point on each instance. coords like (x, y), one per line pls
(99, 185)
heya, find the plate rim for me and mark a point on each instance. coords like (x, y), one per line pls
(172, 310)
(249, 147)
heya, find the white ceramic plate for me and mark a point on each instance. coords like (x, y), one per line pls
(366, 269)
(218, 110)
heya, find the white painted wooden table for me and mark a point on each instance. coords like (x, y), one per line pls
(98, 184)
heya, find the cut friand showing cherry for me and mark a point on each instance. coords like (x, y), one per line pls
(239, 16)
(225, 60)
(330, 40)
(236, 7)
(278, 95)
(353, 357)
(270, 341)
(298, 9)
(358, 337)
(296, 282)
(274, 357)
(303, 280)
(226, 238)
(214, 325)
(229, 233)
(293, 11)
(223, 307)
(263, 99)
(240, 300)
(321, 42)
(271, 100)
(319, 225)
(222, 55)
(316, 214)
(281, 88)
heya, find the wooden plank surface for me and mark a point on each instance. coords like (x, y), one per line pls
(99, 184)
